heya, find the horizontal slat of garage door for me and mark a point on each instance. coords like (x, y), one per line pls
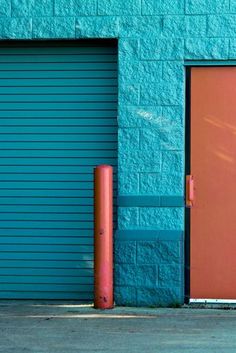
(58, 120)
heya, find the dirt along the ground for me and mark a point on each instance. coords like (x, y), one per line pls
(67, 327)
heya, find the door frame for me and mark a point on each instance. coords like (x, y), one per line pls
(58, 43)
(187, 172)
(187, 239)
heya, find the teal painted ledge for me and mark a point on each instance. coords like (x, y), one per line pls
(210, 63)
(147, 234)
(150, 201)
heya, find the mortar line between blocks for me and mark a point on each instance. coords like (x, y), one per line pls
(139, 186)
(139, 208)
(140, 8)
(157, 277)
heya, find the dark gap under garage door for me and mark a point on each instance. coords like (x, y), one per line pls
(58, 120)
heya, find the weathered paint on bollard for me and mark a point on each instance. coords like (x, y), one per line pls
(103, 237)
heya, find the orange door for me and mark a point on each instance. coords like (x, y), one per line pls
(213, 166)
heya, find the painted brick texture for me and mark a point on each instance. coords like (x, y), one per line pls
(154, 39)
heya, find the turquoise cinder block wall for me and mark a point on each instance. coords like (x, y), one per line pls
(155, 37)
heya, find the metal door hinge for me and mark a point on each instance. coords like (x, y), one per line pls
(189, 191)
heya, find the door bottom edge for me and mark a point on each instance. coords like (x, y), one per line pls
(211, 301)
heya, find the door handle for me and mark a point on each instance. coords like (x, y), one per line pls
(189, 191)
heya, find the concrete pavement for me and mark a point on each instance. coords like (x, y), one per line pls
(40, 327)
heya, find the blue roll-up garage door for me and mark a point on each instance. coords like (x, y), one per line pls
(58, 119)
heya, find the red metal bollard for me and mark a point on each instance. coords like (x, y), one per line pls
(103, 237)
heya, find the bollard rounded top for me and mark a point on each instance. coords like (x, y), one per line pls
(103, 166)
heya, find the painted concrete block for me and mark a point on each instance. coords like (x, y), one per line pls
(128, 183)
(162, 49)
(162, 138)
(151, 138)
(154, 7)
(158, 252)
(172, 184)
(173, 117)
(128, 71)
(162, 218)
(140, 26)
(117, 7)
(141, 116)
(233, 6)
(172, 162)
(129, 48)
(173, 70)
(149, 71)
(162, 93)
(232, 49)
(161, 184)
(129, 94)
(208, 48)
(42, 8)
(125, 252)
(5, 8)
(97, 27)
(136, 275)
(21, 8)
(15, 28)
(150, 183)
(125, 295)
(222, 26)
(206, 6)
(128, 139)
(171, 274)
(29, 8)
(75, 7)
(128, 217)
(63, 27)
(185, 26)
(132, 71)
(159, 296)
(140, 160)
(172, 139)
